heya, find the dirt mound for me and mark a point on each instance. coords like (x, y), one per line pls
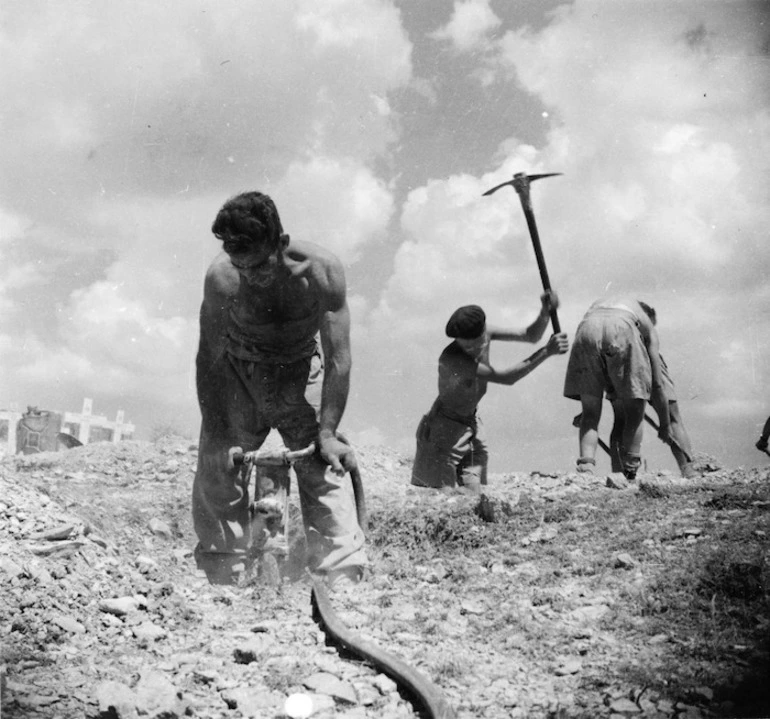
(551, 595)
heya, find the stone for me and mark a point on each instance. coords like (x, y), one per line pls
(156, 695)
(385, 685)
(10, 568)
(159, 527)
(329, 684)
(69, 624)
(616, 480)
(624, 561)
(149, 632)
(624, 706)
(569, 666)
(119, 606)
(472, 606)
(116, 700)
(252, 648)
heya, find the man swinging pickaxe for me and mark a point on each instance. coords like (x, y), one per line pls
(520, 183)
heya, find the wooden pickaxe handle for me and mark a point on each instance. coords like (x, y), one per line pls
(520, 183)
(671, 440)
(532, 225)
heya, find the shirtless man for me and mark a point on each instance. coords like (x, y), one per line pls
(449, 448)
(616, 350)
(266, 301)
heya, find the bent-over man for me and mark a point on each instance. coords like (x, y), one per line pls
(267, 302)
(616, 350)
(450, 450)
(680, 443)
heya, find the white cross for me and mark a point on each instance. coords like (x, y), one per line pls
(12, 417)
(84, 420)
(120, 427)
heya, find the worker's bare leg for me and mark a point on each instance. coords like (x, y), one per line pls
(633, 417)
(472, 470)
(589, 431)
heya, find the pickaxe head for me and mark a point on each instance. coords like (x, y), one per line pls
(520, 182)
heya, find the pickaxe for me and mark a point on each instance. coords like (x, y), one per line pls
(520, 183)
(652, 423)
(671, 441)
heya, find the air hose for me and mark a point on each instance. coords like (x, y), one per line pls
(420, 689)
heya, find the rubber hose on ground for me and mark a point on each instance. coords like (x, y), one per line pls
(421, 689)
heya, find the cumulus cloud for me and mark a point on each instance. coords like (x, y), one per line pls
(338, 204)
(126, 129)
(658, 195)
(471, 23)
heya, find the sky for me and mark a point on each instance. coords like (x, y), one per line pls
(376, 125)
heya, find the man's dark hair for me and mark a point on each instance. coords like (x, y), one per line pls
(466, 322)
(245, 220)
(649, 311)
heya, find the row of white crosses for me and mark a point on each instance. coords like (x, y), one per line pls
(84, 420)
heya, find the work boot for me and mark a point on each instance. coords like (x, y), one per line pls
(585, 465)
(631, 464)
(221, 567)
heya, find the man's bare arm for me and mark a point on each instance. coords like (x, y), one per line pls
(557, 344)
(335, 341)
(535, 331)
(658, 397)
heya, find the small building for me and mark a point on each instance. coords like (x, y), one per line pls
(38, 430)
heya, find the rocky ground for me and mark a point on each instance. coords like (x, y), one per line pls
(555, 595)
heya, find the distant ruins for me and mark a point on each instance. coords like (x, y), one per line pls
(39, 430)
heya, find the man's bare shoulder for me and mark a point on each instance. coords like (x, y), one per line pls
(302, 251)
(221, 277)
(320, 266)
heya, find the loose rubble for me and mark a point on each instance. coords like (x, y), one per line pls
(553, 595)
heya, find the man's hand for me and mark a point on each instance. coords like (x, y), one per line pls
(558, 344)
(338, 455)
(549, 301)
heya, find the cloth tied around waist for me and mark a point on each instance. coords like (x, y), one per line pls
(249, 348)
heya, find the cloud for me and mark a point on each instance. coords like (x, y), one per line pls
(192, 94)
(124, 131)
(470, 25)
(338, 204)
(646, 134)
(656, 132)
